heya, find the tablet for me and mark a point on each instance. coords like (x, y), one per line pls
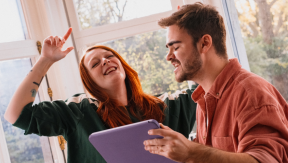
(125, 144)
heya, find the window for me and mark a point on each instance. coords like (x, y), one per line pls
(130, 27)
(14, 29)
(91, 27)
(263, 26)
(92, 13)
(21, 148)
(15, 63)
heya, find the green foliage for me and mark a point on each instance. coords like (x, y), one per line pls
(269, 61)
(257, 56)
(258, 53)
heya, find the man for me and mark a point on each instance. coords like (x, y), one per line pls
(240, 116)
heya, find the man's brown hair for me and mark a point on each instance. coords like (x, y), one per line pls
(199, 19)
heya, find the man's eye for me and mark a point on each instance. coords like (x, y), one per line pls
(176, 48)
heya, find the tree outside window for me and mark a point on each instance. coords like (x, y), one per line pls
(264, 25)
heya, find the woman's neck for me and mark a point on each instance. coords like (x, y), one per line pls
(119, 93)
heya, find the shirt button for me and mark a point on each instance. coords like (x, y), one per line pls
(217, 94)
(204, 137)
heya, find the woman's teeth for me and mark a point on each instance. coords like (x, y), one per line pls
(109, 70)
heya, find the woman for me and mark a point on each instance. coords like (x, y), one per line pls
(117, 99)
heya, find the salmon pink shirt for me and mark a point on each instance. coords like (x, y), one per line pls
(245, 114)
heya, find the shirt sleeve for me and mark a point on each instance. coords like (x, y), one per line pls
(180, 113)
(264, 134)
(49, 118)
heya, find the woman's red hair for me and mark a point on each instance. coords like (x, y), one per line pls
(109, 110)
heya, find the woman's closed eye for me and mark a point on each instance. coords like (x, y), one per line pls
(95, 64)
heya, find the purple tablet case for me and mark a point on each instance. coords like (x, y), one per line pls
(125, 144)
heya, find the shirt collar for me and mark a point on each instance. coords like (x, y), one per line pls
(198, 93)
(220, 82)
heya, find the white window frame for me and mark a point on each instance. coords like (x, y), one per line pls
(115, 30)
(18, 49)
(132, 27)
(87, 37)
(9, 51)
(234, 31)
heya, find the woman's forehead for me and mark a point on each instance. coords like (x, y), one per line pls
(98, 52)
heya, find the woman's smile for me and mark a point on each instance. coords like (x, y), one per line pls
(110, 70)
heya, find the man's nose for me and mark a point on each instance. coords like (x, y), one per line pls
(170, 56)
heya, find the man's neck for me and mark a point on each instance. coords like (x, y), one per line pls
(211, 69)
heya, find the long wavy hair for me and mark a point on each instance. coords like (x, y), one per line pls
(140, 103)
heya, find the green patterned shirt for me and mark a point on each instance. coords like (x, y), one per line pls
(76, 119)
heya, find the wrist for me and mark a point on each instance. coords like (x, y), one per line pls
(200, 153)
(42, 65)
(45, 61)
(192, 152)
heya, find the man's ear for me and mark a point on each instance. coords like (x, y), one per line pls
(205, 43)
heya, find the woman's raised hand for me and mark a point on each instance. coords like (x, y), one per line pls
(52, 47)
(26, 92)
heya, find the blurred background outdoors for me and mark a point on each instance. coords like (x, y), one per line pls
(264, 26)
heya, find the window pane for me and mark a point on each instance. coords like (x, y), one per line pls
(264, 26)
(22, 148)
(93, 13)
(146, 53)
(12, 26)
